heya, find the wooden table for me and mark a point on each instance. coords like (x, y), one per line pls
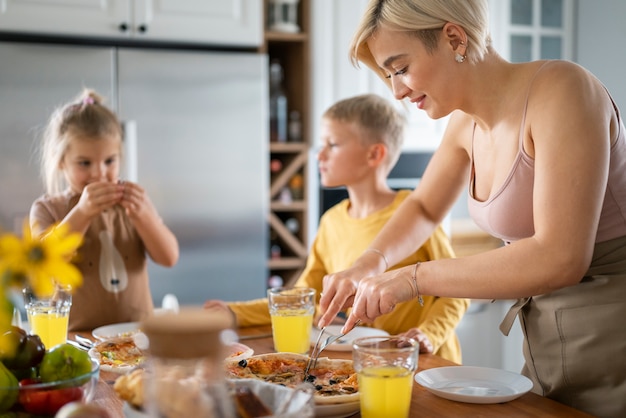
(423, 403)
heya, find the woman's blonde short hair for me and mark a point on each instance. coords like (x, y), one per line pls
(425, 19)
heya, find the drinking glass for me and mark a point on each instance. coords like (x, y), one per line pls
(48, 316)
(385, 366)
(291, 310)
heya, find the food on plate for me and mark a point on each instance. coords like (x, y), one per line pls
(118, 354)
(335, 380)
(249, 405)
(64, 362)
(129, 387)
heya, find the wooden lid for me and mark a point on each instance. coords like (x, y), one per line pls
(190, 333)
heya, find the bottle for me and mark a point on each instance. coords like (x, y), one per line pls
(295, 126)
(278, 104)
(184, 375)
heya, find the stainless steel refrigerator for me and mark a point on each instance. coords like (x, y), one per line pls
(196, 140)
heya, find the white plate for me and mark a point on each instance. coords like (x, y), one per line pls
(474, 384)
(339, 410)
(345, 343)
(130, 412)
(238, 351)
(124, 329)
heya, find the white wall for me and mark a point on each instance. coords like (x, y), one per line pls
(601, 34)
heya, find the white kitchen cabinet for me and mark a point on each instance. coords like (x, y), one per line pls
(224, 22)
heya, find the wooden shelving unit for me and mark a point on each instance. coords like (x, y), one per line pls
(293, 51)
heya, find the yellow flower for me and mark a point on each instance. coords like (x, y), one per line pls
(40, 263)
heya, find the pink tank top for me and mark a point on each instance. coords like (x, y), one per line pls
(508, 213)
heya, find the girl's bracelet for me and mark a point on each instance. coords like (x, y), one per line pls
(380, 253)
(417, 290)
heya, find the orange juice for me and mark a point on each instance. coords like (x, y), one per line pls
(385, 391)
(291, 329)
(49, 323)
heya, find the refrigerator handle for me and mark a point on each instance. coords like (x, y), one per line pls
(129, 145)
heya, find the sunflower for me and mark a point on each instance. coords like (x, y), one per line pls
(40, 263)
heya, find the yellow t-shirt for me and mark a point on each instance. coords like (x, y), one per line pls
(340, 240)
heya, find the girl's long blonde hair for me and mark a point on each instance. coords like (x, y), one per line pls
(84, 117)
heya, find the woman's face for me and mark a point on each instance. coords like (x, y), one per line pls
(89, 160)
(342, 158)
(422, 77)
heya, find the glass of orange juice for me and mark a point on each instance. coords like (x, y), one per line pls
(385, 366)
(48, 317)
(291, 310)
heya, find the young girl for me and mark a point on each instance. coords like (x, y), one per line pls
(81, 155)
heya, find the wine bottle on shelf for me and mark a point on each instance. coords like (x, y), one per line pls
(278, 104)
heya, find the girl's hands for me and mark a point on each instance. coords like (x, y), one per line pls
(100, 196)
(135, 200)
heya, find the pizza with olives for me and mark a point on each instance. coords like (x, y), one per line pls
(334, 380)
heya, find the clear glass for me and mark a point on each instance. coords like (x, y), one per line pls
(48, 317)
(522, 12)
(184, 371)
(385, 367)
(187, 388)
(291, 310)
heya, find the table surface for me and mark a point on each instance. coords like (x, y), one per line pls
(423, 403)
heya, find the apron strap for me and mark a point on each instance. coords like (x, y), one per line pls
(509, 318)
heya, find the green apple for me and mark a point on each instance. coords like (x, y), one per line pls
(63, 362)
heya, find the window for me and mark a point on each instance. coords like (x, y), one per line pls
(534, 29)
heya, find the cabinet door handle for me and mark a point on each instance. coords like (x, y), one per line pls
(142, 28)
(123, 27)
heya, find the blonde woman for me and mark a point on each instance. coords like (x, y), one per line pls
(540, 148)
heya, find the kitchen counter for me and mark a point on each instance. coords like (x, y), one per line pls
(423, 403)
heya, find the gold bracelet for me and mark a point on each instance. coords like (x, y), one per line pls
(417, 290)
(380, 253)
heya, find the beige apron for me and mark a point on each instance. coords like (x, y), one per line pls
(575, 337)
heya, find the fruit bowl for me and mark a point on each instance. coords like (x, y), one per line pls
(45, 399)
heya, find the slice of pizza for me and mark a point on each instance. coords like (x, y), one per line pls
(334, 380)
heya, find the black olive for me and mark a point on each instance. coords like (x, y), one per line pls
(243, 363)
(319, 387)
(310, 378)
(333, 381)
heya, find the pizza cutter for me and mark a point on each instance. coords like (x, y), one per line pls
(317, 348)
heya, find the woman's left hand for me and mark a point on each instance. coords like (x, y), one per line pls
(379, 295)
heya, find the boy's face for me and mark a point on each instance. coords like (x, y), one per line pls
(91, 160)
(343, 159)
